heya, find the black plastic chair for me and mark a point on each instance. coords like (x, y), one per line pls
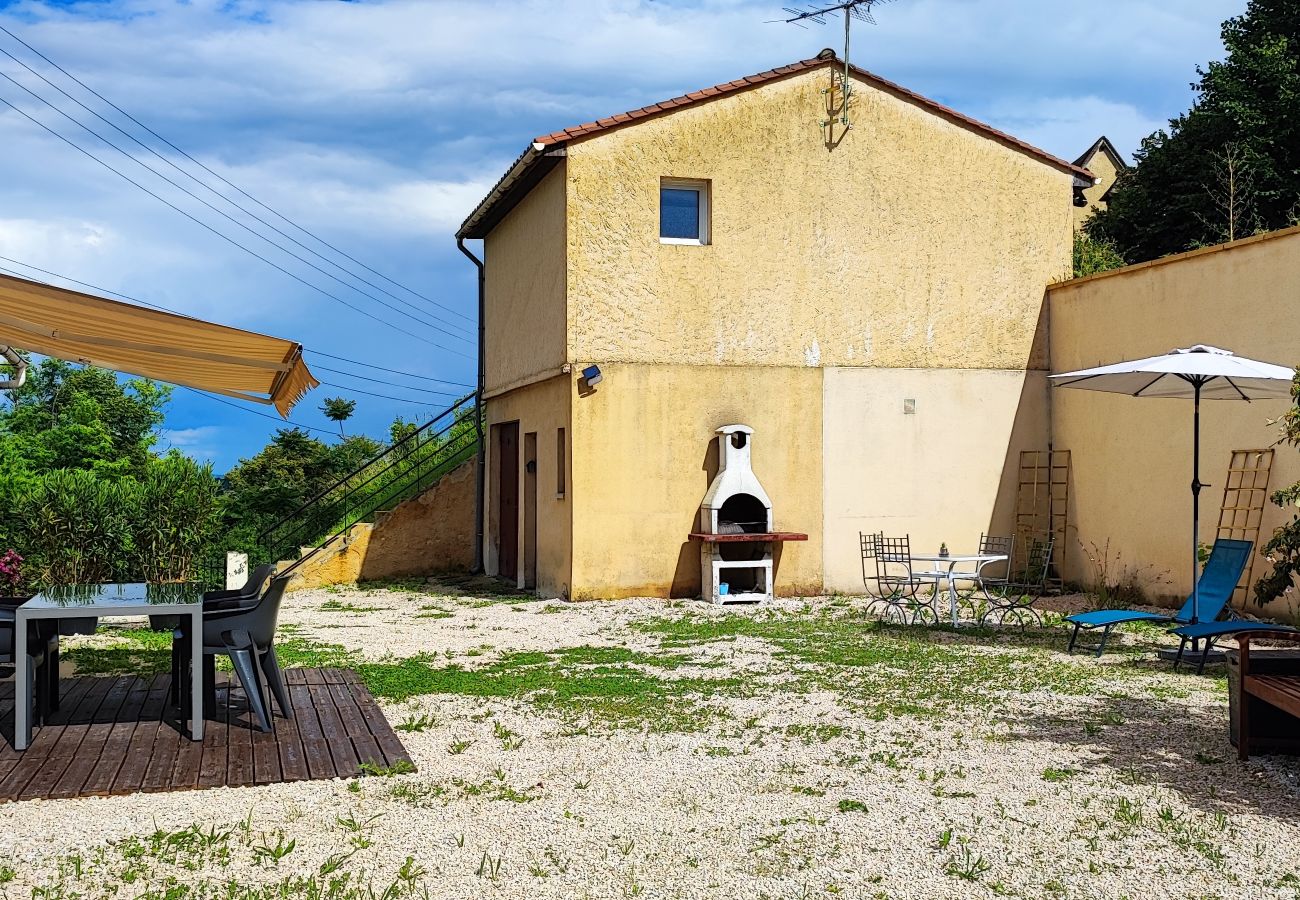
(42, 664)
(247, 635)
(214, 600)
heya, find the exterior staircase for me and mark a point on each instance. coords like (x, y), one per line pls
(316, 539)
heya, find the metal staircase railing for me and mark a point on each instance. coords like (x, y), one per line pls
(399, 472)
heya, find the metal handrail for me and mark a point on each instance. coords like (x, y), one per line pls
(385, 477)
(394, 490)
(378, 456)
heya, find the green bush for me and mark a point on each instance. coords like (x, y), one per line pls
(75, 526)
(1283, 549)
(173, 518)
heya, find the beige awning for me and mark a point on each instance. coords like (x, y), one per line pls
(153, 344)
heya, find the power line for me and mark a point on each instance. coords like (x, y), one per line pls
(229, 217)
(345, 387)
(218, 176)
(382, 369)
(128, 297)
(316, 367)
(225, 237)
(254, 412)
(208, 188)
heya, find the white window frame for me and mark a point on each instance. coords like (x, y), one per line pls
(701, 186)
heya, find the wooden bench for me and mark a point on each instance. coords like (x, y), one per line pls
(1279, 691)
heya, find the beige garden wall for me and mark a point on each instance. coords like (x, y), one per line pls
(1132, 458)
(943, 473)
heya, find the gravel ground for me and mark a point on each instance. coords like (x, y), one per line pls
(795, 786)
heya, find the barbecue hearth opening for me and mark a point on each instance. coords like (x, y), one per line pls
(742, 514)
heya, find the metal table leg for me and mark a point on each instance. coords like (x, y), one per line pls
(196, 674)
(22, 690)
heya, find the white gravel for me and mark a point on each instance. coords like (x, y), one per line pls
(1133, 791)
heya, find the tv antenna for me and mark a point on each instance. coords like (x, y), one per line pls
(851, 11)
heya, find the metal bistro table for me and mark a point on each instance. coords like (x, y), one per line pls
(979, 559)
(103, 600)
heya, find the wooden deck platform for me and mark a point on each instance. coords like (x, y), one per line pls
(118, 735)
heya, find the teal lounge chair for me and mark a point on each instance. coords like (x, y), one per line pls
(1212, 631)
(1219, 579)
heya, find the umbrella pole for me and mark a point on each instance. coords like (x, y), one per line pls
(1196, 502)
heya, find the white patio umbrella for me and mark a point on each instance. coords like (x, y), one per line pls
(1194, 373)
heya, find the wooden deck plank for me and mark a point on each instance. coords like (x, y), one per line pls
(130, 778)
(320, 764)
(99, 727)
(289, 748)
(216, 743)
(364, 745)
(99, 781)
(80, 702)
(379, 726)
(336, 736)
(120, 735)
(240, 726)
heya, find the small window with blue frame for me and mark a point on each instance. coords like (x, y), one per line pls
(683, 211)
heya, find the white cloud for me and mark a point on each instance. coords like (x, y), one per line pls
(203, 442)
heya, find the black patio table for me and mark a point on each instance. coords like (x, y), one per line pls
(105, 600)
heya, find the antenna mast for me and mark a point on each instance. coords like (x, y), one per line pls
(850, 10)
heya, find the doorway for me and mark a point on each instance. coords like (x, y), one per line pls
(505, 448)
(530, 510)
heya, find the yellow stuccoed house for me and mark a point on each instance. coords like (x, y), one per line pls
(868, 299)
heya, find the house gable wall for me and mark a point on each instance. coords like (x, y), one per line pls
(525, 313)
(916, 242)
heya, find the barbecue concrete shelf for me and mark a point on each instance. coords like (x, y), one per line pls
(764, 537)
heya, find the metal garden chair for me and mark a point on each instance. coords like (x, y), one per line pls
(896, 581)
(989, 580)
(1015, 599)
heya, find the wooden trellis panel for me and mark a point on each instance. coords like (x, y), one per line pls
(1042, 499)
(1244, 492)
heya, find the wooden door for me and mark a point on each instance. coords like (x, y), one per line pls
(530, 509)
(507, 453)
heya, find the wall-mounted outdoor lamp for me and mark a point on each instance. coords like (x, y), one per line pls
(591, 375)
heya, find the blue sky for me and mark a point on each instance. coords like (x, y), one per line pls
(379, 125)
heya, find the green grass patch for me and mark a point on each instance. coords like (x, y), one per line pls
(141, 651)
(339, 606)
(892, 670)
(612, 686)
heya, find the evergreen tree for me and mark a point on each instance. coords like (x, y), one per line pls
(1230, 165)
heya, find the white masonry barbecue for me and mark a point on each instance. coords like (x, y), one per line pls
(735, 527)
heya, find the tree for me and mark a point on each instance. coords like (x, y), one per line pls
(1232, 195)
(73, 417)
(1283, 549)
(275, 482)
(1093, 255)
(339, 410)
(1247, 107)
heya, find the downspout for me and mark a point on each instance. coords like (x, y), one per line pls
(480, 468)
(18, 378)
